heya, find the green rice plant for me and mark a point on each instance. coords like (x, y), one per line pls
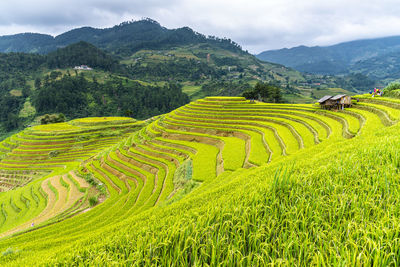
(149, 189)
(204, 161)
(14, 207)
(228, 230)
(393, 113)
(268, 132)
(330, 204)
(381, 112)
(233, 153)
(165, 170)
(373, 122)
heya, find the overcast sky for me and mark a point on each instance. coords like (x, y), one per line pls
(257, 25)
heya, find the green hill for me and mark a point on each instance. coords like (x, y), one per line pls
(218, 181)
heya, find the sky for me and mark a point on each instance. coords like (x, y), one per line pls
(257, 25)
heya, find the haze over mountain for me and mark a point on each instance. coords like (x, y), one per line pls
(378, 58)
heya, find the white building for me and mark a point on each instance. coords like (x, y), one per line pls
(82, 67)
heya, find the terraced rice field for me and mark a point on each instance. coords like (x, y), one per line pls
(49, 173)
(37, 174)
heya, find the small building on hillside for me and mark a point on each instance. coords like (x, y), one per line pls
(83, 67)
(335, 102)
(342, 101)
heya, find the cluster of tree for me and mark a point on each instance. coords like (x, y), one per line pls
(76, 96)
(12, 63)
(131, 36)
(15, 69)
(392, 90)
(265, 92)
(9, 109)
(52, 118)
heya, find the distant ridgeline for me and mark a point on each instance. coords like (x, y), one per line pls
(125, 38)
(377, 58)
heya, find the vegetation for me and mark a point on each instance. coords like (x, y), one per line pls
(217, 181)
(195, 170)
(54, 118)
(75, 97)
(265, 92)
(392, 90)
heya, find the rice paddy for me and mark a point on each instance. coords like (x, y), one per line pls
(220, 181)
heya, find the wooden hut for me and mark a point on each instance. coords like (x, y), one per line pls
(336, 102)
(342, 101)
(326, 103)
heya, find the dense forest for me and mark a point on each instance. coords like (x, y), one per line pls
(76, 96)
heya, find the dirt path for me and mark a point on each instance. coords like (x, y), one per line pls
(82, 182)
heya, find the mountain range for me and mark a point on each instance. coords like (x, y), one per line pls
(377, 58)
(125, 38)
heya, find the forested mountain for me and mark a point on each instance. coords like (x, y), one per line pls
(125, 39)
(357, 56)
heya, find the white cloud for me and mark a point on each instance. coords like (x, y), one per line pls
(255, 24)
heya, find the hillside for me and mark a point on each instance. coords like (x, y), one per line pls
(369, 57)
(217, 181)
(33, 85)
(146, 51)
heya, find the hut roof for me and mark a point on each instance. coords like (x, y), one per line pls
(336, 97)
(324, 99)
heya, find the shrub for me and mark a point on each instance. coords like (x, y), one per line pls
(392, 86)
(93, 201)
(53, 118)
